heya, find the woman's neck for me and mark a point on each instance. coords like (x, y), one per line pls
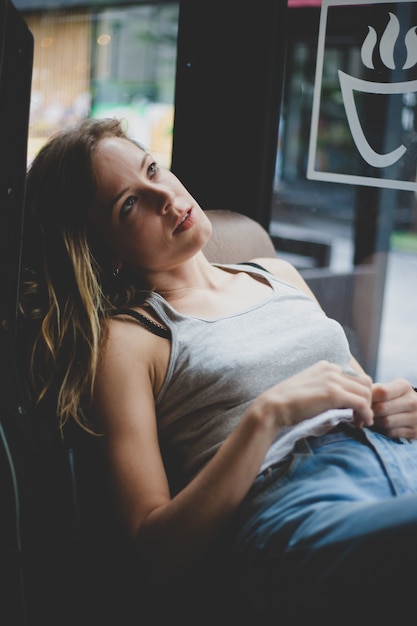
(214, 293)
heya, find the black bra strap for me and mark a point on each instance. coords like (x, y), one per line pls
(147, 322)
(154, 327)
(253, 264)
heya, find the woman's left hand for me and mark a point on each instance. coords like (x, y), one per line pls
(395, 408)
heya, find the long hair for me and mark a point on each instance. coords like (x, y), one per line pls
(67, 286)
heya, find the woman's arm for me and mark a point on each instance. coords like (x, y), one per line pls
(172, 533)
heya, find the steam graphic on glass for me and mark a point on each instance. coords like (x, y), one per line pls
(349, 84)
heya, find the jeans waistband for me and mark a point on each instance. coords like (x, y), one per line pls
(344, 430)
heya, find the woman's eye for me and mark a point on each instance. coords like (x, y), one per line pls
(153, 169)
(127, 205)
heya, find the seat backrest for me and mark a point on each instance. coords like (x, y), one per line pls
(236, 238)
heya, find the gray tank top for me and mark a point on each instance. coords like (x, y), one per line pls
(218, 366)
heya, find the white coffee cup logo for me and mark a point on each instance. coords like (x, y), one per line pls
(349, 84)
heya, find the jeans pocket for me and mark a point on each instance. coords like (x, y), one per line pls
(274, 475)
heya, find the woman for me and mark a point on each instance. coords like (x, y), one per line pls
(233, 412)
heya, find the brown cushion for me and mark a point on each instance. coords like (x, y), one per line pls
(236, 238)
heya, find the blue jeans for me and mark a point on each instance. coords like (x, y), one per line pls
(335, 520)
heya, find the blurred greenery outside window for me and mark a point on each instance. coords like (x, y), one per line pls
(117, 62)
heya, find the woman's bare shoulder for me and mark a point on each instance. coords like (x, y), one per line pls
(132, 347)
(285, 271)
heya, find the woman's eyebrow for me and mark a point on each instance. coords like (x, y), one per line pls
(117, 197)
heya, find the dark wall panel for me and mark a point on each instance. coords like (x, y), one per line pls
(228, 93)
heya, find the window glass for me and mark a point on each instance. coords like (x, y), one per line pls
(134, 72)
(115, 62)
(61, 72)
(356, 244)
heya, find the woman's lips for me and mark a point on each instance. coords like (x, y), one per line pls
(187, 222)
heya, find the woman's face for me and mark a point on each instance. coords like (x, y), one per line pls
(142, 211)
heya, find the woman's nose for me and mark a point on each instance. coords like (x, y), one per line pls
(164, 198)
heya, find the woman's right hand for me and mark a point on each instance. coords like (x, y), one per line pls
(316, 389)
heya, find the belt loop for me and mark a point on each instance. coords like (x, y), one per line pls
(301, 446)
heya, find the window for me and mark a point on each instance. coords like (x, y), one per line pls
(114, 62)
(358, 242)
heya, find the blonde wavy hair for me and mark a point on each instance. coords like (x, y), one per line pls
(67, 285)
